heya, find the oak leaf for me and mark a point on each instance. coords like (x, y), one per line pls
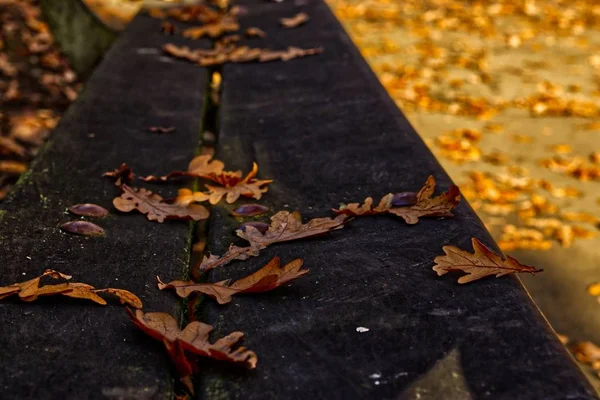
(483, 262)
(233, 186)
(30, 290)
(269, 277)
(294, 21)
(284, 227)
(154, 207)
(213, 29)
(200, 167)
(424, 204)
(192, 339)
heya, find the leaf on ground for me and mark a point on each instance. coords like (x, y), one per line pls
(200, 167)
(192, 339)
(294, 21)
(31, 290)
(284, 227)
(483, 262)
(408, 207)
(237, 54)
(249, 210)
(89, 210)
(83, 228)
(269, 277)
(123, 175)
(233, 186)
(154, 207)
(255, 32)
(214, 29)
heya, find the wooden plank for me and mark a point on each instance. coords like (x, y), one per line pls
(325, 130)
(69, 349)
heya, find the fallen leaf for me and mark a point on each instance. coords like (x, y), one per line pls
(214, 29)
(153, 206)
(269, 277)
(483, 262)
(200, 167)
(30, 290)
(255, 32)
(192, 339)
(284, 227)
(161, 129)
(249, 210)
(89, 210)
(235, 54)
(294, 21)
(424, 205)
(168, 28)
(84, 228)
(123, 175)
(261, 226)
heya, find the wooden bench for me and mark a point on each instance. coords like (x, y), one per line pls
(326, 132)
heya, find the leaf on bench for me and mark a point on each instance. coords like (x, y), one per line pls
(408, 207)
(249, 210)
(123, 175)
(30, 290)
(294, 21)
(89, 210)
(192, 339)
(84, 228)
(483, 262)
(235, 54)
(200, 167)
(214, 29)
(269, 277)
(255, 32)
(154, 207)
(284, 227)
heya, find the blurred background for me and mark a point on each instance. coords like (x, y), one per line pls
(506, 94)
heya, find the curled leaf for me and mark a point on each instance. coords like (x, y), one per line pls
(192, 339)
(200, 167)
(123, 175)
(153, 206)
(214, 29)
(407, 207)
(89, 210)
(294, 21)
(267, 278)
(260, 226)
(255, 32)
(84, 228)
(249, 210)
(30, 290)
(483, 262)
(285, 226)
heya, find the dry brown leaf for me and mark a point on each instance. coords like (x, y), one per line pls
(123, 175)
(284, 227)
(214, 29)
(294, 21)
(234, 54)
(425, 205)
(192, 339)
(30, 290)
(200, 167)
(233, 186)
(483, 262)
(267, 278)
(153, 206)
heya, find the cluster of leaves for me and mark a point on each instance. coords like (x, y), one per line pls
(36, 86)
(216, 23)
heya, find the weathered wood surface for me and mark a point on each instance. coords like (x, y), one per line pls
(325, 130)
(73, 349)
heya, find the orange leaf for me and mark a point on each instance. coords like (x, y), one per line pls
(425, 206)
(214, 29)
(267, 278)
(123, 174)
(153, 206)
(200, 167)
(483, 262)
(193, 339)
(294, 21)
(30, 290)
